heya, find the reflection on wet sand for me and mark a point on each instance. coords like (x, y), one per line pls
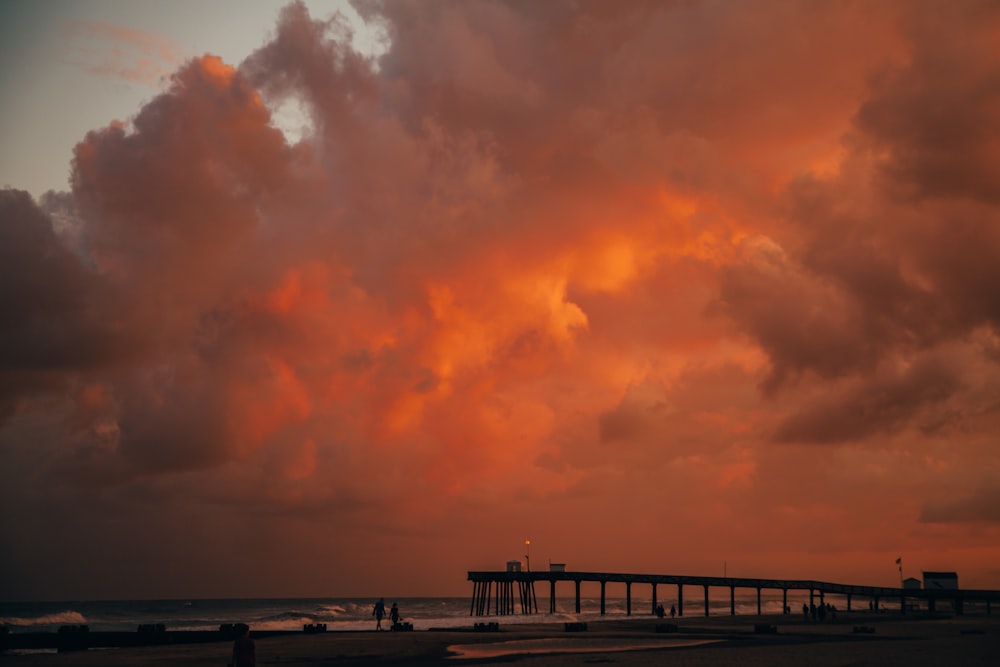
(554, 645)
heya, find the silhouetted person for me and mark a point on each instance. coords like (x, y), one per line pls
(673, 610)
(394, 615)
(379, 613)
(244, 649)
(659, 611)
(812, 611)
(822, 612)
(805, 611)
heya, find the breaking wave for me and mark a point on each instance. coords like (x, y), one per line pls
(68, 617)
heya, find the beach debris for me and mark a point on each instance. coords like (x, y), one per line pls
(575, 626)
(233, 630)
(765, 629)
(73, 638)
(487, 627)
(666, 627)
(151, 628)
(864, 630)
(313, 628)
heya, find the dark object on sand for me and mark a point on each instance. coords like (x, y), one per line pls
(864, 630)
(765, 629)
(313, 628)
(486, 627)
(151, 629)
(73, 638)
(666, 627)
(233, 630)
(576, 627)
(402, 627)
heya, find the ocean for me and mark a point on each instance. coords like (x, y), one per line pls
(341, 613)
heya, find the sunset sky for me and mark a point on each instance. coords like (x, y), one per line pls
(313, 299)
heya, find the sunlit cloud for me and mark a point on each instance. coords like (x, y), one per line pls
(121, 53)
(529, 267)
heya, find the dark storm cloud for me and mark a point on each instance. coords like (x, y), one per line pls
(897, 254)
(877, 405)
(936, 119)
(982, 505)
(801, 320)
(54, 322)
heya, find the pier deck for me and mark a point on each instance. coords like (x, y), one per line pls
(495, 590)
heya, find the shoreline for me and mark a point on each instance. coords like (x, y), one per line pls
(739, 640)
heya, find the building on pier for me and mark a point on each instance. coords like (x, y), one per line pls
(936, 581)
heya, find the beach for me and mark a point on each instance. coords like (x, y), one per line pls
(887, 639)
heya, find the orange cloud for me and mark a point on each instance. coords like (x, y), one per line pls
(137, 56)
(722, 268)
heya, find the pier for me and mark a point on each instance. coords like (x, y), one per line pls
(494, 592)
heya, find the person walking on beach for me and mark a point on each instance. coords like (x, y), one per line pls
(379, 612)
(394, 615)
(673, 610)
(244, 649)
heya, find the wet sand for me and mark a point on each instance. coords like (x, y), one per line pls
(911, 641)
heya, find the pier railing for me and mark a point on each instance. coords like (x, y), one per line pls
(494, 592)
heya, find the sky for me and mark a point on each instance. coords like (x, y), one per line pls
(348, 300)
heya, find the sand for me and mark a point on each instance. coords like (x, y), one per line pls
(717, 641)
